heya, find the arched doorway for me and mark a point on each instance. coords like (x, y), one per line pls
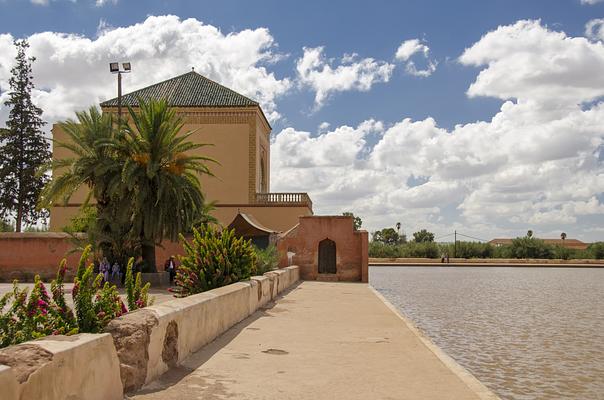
(327, 256)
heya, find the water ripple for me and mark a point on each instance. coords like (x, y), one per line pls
(526, 333)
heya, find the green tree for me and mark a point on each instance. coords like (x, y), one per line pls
(388, 236)
(529, 247)
(160, 178)
(5, 226)
(358, 222)
(423, 236)
(529, 233)
(563, 236)
(597, 250)
(95, 166)
(23, 147)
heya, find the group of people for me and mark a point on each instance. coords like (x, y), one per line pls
(115, 274)
(111, 273)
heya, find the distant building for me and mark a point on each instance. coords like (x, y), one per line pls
(568, 243)
(239, 133)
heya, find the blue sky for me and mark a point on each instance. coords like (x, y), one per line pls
(376, 112)
(372, 29)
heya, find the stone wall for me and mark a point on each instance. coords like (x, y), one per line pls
(303, 240)
(137, 348)
(23, 255)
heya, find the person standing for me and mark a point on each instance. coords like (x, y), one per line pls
(170, 267)
(104, 269)
(115, 273)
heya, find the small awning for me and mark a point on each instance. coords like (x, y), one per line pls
(247, 226)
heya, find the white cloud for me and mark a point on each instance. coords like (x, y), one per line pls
(407, 50)
(594, 29)
(410, 47)
(538, 163)
(40, 2)
(101, 3)
(71, 71)
(317, 73)
(527, 60)
(591, 2)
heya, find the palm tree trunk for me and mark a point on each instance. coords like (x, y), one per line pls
(148, 253)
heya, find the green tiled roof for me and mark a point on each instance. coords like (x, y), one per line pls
(187, 90)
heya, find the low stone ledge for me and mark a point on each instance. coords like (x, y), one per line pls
(131, 336)
(186, 325)
(137, 348)
(60, 367)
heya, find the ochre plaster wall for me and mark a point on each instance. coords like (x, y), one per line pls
(351, 247)
(236, 136)
(278, 218)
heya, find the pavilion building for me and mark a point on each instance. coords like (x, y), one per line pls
(239, 134)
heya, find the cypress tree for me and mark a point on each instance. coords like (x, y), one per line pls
(23, 147)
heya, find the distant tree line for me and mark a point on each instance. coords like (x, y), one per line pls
(388, 243)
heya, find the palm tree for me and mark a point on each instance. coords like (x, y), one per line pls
(160, 177)
(92, 164)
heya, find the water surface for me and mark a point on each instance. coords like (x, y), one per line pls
(526, 333)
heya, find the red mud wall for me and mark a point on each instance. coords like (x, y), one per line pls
(23, 255)
(303, 240)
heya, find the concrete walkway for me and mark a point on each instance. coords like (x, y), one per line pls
(321, 340)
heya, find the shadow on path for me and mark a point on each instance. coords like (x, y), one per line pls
(175, 375)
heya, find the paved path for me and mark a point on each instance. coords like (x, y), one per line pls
(321, 340)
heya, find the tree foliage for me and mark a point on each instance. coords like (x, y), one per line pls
(145, 182)
(388, 236)
(357, 221)
(23, 147)
(423, 236)
(159, 175)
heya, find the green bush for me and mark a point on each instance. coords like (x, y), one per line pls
(596, 250)
(530, 247)
(406, 250)
(468, 250)
(95, 304)
(213, 259)
(383, 250)
(39, 314)
(266, 259)
(137, 294)
(420, 250)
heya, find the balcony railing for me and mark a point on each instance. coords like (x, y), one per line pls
(284, 199)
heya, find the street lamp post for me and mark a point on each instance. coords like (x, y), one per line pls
(114, 67)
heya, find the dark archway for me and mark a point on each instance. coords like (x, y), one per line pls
(327, 256)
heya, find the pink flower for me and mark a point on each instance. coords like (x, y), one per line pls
(123, 306)
(42, 303)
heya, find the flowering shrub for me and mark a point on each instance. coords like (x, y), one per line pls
(136, 293)
(213, 259)
(39, 314)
